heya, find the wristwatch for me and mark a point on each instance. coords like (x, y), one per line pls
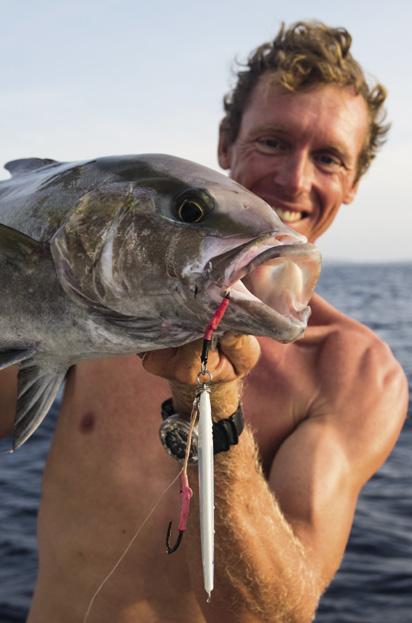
(174, 432)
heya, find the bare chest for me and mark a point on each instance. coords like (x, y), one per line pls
(119, 475)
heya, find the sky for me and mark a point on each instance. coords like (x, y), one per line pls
(90, 78)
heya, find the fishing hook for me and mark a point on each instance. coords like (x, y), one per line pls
(170, 549)
(185, 497)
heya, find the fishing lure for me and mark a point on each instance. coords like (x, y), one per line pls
(202, 411)
(206, 490)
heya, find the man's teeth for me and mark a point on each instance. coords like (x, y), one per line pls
(288, 216)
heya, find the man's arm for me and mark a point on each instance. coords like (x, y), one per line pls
(352, 427)
(279, 543)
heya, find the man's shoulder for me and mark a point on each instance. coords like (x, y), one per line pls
(346, 341)
(335, 337)
(348, 345)
(337, 358)
(359, 378)
(330, 327)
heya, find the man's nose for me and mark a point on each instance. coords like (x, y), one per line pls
(294, 174)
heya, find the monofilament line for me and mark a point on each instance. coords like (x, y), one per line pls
(127, 548)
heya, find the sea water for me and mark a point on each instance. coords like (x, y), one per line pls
(374, 584)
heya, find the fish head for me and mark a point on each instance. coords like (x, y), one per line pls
(241, 247)
(164, 238)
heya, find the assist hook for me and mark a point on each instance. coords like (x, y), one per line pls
(170, 549)
(185, 497)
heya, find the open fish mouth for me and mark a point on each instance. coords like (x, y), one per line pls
(270, 282)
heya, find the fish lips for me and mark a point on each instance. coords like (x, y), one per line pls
(270, 282)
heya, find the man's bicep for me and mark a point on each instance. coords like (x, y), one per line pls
(8, 393)
(317, 492)
(319, 470)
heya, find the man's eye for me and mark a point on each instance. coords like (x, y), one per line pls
(270, 144)
(330, 162)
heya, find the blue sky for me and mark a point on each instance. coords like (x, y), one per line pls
(92, 78)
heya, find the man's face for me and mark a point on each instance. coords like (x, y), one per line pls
(299, 151)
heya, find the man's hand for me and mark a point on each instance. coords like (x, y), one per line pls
(234, 357)
(228, 364)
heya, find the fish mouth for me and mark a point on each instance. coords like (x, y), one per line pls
(270, 282)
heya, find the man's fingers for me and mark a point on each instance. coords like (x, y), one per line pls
(175, 364)
(158, 361)
(233, 359)
(243, 351)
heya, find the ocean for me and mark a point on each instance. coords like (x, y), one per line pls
(374, 584)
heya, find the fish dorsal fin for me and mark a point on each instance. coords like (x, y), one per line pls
(27, 165)
(37, 388)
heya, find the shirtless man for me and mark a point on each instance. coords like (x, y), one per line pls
(321, 414)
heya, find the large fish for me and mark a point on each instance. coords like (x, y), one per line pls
(125, 254)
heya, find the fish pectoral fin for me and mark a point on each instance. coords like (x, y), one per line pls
(11, 357)
(36, 390)
(15, 244)
(26, 165)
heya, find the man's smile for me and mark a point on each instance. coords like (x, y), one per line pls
(290, 216)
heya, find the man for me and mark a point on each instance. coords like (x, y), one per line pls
(322, 414)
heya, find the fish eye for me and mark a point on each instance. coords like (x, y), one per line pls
(192, 207)
(190, 211)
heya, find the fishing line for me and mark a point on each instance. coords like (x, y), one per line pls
(127, 548)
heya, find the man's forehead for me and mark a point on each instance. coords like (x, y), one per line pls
(269, 91)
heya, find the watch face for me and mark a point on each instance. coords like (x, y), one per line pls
(174, 433)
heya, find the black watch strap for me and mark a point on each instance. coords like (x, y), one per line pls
(225, 432)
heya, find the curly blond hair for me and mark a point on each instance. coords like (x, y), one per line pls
(304, 55)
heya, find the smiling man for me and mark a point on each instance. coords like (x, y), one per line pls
(301, 128)
(321, 415)
(301, 154)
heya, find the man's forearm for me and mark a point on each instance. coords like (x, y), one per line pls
(261, 572)
(257, 553)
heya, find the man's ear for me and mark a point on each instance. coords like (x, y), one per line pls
(224, 147)
(351, 193)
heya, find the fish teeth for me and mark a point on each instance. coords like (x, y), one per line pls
(288, 216)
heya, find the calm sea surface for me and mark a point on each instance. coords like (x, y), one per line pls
(374, 584)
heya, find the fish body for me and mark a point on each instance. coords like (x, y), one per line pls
(124, 254)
